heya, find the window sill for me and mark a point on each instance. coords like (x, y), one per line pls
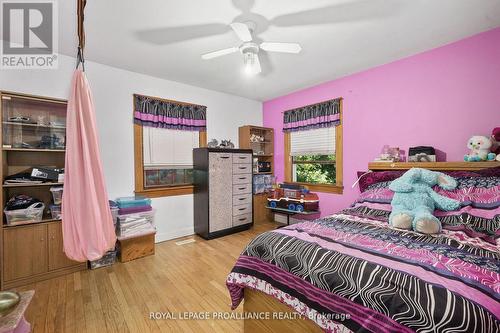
(323, 188)
(166, 191)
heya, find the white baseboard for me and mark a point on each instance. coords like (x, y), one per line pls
(172, 234)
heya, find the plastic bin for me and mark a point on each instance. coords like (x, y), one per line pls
(127, 202)
(33, 213)
(137, 223)
(107, 259)
(114, 214)
(57, 194)
(55, 211)
(129, 218)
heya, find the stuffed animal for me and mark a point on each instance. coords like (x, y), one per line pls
(479, 146)
(213, 143)
(414, 200)
(495, 140)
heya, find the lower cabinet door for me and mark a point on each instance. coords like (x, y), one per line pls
(57, 258)
(24, 251)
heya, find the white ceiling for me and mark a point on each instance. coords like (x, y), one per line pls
(165, 38)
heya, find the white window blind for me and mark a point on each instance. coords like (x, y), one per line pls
(319, 141)
(169, 148)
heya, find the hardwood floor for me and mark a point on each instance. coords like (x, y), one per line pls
(177, 279)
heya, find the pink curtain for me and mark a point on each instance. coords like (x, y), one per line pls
(88, 230)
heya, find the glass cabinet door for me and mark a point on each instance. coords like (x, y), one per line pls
(33, 124)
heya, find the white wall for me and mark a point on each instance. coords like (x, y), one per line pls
(112, 89)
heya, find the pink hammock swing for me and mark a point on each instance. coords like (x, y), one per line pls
(88, 231)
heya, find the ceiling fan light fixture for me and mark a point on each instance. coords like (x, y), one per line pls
(250, 61)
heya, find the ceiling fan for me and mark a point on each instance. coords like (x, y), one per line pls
(249, 49)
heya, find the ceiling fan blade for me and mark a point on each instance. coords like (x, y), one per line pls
(219, 53)
(281, 47)
(169, 35)
(242, 31)
(346, 12)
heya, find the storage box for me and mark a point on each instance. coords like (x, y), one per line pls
(55, 211)
(107, 260)
(262, 183)
(34, 213)
(57, 194)
(137, 247)
(130, 225)
(127, 202)
(422, 154)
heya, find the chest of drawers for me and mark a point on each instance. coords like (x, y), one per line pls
(222, 191)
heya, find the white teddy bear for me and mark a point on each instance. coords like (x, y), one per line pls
(479, 146)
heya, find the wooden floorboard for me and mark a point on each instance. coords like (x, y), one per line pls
(178, 278)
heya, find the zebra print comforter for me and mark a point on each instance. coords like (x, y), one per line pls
(353, 273)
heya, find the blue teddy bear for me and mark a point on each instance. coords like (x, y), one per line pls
(414, 200)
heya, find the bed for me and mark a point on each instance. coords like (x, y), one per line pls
(351, 272)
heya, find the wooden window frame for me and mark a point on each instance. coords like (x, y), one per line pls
(139, 166)
(338, 187)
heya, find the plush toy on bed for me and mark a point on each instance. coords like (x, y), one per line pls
(414, 200)
(479, 146)
(495, 139)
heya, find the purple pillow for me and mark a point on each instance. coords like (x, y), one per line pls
(377, 177)
(385, 176)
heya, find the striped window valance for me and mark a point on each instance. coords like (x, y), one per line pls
(324, 114)
(161, 113)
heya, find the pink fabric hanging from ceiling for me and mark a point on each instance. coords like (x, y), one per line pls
(88, 230)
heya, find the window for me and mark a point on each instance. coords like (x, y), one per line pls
(314, 158)
(164, 156)
(164, 160)
(168, 157)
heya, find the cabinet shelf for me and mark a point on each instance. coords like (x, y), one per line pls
(31, 185)
(35, 150)
(12, 123)
(18, 224)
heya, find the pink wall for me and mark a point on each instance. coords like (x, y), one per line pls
(439, 98)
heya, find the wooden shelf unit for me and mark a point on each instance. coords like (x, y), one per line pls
(437, 166)
(263, 152)
(31, 251)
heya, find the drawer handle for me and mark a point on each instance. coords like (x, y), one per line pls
(241, 199)
(242, 168)
(224, 157)
(243, 219)
(242, 178)
(243, 157)
(241, 188)
(241, 208)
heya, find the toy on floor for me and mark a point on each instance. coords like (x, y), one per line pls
(414, 200)
(479, 146)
